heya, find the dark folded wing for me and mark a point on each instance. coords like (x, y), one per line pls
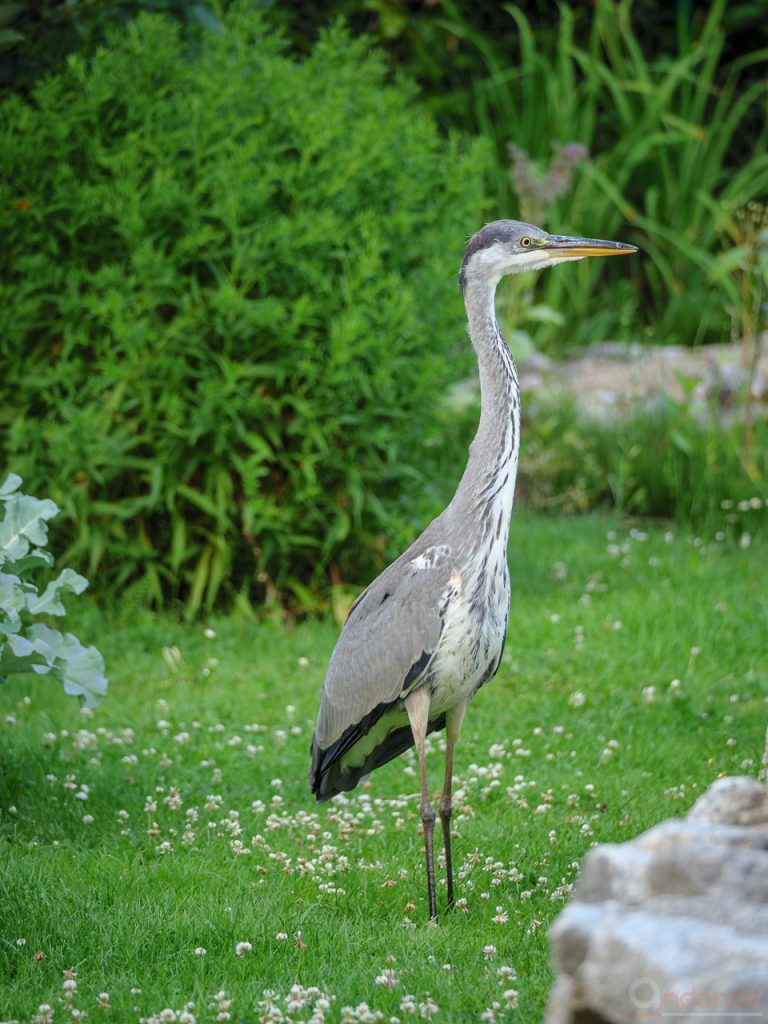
(385, 648)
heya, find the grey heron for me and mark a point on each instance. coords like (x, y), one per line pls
(423, 638)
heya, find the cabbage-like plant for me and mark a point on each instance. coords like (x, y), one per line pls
(27, 645)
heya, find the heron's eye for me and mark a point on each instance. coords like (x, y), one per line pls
(525, 242)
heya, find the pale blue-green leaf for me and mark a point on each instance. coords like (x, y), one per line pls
(12, 594)
(84, 676)
(36, 559)
(24, 523)
(11, 483)
(52, 642)
(49, 602)
(20, 646)
(10, 625)
(80, 669)
(17, 654)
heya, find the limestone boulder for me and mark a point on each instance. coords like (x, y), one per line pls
(673, 924)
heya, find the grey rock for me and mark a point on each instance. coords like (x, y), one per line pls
(609, 381)
(673, 923)
(735, 800)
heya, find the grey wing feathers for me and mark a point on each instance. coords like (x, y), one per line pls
(386, 645)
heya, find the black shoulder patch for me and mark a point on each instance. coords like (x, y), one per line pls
(417, 668)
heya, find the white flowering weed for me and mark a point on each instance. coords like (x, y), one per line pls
(182, 868)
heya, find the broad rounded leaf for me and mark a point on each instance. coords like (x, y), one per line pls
(49, 602)
(84, 676)
(11, 483)
(24, 523)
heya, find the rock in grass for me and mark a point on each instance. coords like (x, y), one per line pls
(673, 923)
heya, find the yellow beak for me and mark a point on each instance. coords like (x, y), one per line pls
(563, 247)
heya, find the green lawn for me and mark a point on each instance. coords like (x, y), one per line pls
(177, 817)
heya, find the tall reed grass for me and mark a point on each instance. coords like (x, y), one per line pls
(671, 162)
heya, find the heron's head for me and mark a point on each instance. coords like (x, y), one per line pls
(510, 247)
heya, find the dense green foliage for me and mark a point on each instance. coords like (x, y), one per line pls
(36, 36)
(634, 676)
(227, 308)
(673, 461)
(662, 131)
(27, 645)
(228, 304)
(670, 101)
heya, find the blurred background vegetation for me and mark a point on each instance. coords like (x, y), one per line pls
(229, 317)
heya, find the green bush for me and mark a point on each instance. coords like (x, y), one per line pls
(228, 304)
(37, 36)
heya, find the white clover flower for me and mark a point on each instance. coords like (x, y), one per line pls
(577, 699)
(510, 998)
(201, 951)
(243, 947)
(428, 1008)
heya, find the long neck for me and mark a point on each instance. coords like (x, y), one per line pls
(486, 490)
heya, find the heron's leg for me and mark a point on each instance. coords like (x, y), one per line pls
(453, 722)
(417, 706)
